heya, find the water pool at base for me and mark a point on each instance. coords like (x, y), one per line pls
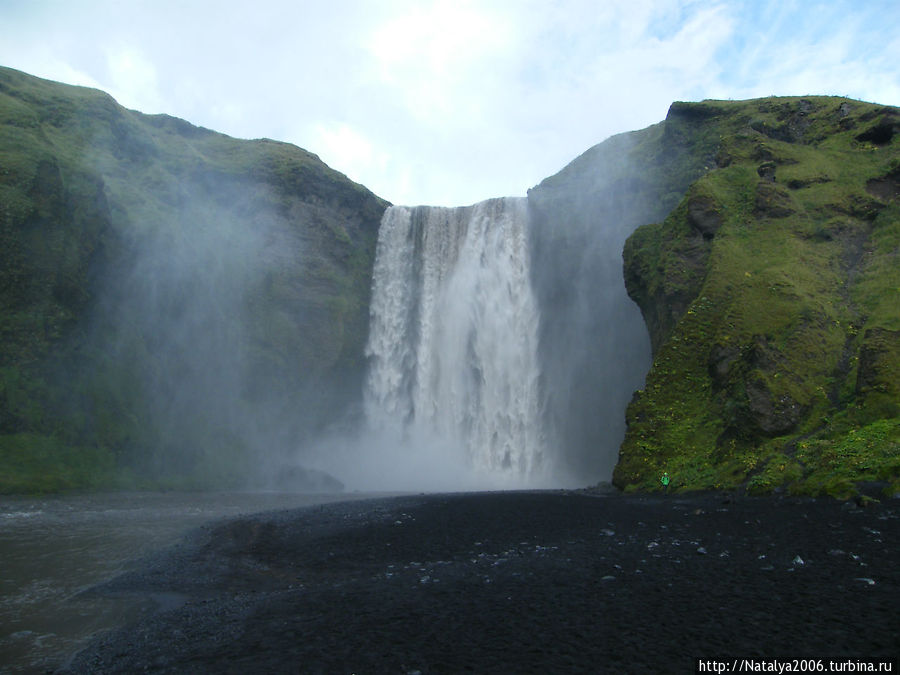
(52, 549)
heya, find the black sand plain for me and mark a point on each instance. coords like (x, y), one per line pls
(516, 582)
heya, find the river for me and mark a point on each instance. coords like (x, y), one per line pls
(52, 549)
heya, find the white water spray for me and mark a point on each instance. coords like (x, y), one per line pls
(453, 382)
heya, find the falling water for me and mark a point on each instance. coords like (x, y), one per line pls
(453, 338)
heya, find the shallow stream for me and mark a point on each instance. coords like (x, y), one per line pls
(53, 549)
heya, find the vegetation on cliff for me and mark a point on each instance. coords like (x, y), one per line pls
(172, 300)
(772, 295)
(177, 305)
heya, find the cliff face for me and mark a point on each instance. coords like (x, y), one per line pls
(593, 343)
(178, 307)
(172, 300)
(772, 297)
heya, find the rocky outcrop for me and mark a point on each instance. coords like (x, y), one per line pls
(704, 215)
(886, 126)
(771, 202)
(770, 296)
(748, 378)
(885, 188)
(665, 297)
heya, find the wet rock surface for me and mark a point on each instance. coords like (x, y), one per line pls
(516, 582)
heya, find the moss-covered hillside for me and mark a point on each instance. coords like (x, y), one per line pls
(772, 296)
(180, 308)
(172, 301)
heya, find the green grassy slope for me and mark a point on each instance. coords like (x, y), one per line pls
(255, 255)
(772, 295)
(176, 304)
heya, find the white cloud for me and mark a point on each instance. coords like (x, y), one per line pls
(133, 81)
(450, 102)
(435, 56)
(347, 149)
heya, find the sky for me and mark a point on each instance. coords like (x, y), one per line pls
(448, 102)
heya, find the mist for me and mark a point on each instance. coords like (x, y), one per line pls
(211, 351)
(595, 350)
(594, 344)
(176, 326)
(239, 341)
(503, 348)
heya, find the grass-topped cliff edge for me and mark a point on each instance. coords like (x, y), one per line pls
(772, 296)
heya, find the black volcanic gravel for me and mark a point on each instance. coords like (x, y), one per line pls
(517, 582)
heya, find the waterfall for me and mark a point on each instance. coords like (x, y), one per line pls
(453, 339)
